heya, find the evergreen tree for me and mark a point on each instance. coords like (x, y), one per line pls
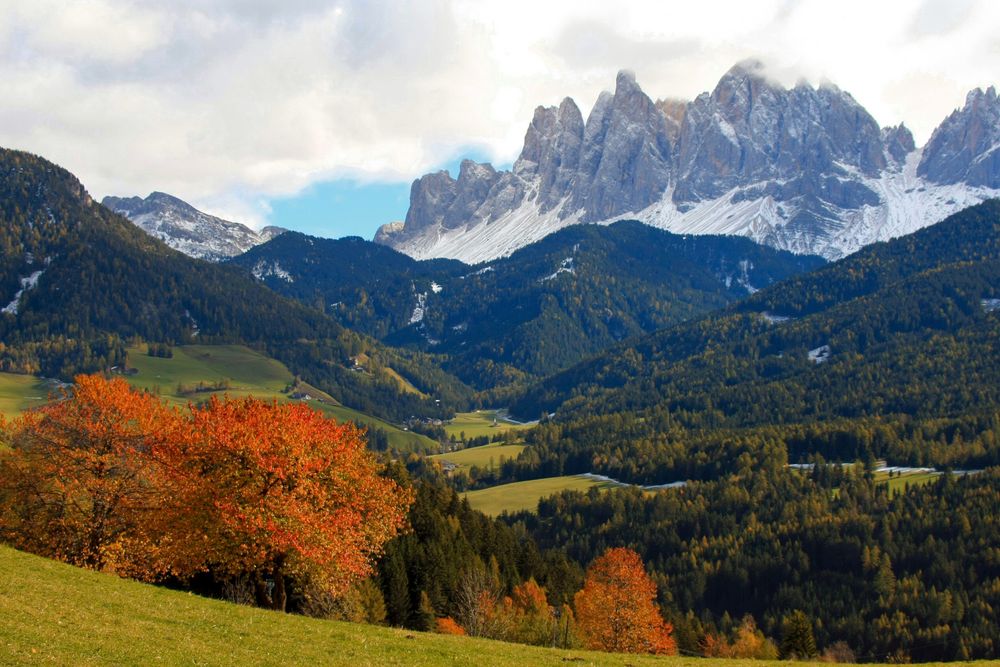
(797, 642)
(424, 618)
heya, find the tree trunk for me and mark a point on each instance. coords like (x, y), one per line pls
(278, 596)
(260, 591)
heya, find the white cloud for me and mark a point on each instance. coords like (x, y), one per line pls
(228, 103)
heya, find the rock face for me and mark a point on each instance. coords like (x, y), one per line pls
(965, 148)
(185, 228)
(805, 169)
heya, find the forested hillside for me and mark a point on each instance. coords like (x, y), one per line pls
(893, 577)
(545, 307)
(907, 327)
(81, 280)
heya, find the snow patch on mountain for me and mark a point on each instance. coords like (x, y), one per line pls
(566, 266)
(419, 309)
(264, 269)
(27, 283)
(820, 354)
(771, 318)
(476, 243)
(906, 203)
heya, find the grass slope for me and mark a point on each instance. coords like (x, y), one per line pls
(519, 496)
(56, 614)
(249, 373)
(483, 456)
(20, 392)
(479, 423)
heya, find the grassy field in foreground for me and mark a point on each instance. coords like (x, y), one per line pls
(54, 614)
(481, 456)
(479, 423)
(519, 496)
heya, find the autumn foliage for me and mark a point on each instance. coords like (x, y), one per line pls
(448, 626)
(616, 609)
(110, 478)
(748, 643)
(79, 482)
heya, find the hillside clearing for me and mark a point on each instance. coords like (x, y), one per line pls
(480, 423)
(518, 496)
(248, 373)
(483, 456)
(20, 392)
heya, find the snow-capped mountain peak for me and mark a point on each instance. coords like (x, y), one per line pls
(185, 228)
(805, 168)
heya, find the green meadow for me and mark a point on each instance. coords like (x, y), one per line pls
(518, 496)
(55, 614)
(247, 373)
(483, 456)
(480, 423)
(20, 392)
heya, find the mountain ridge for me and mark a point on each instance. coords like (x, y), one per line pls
(805, 169)
(547, 305)
(82, 281)
(185, 228)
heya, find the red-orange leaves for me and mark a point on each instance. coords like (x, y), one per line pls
(78, 483)
(273, 489)
(448, 626)
(615, 610)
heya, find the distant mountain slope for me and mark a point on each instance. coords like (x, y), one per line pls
(185, 228)
(907, 327)
(79, 280)
(365, 286)
(805, 169)
(543, 308)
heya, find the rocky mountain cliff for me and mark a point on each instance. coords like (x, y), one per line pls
(805, 169)
(185, 228)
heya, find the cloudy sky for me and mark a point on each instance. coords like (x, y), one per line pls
(318, 115)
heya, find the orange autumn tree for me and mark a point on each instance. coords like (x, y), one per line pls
(273, 490)
(77, 482)
(616, 610)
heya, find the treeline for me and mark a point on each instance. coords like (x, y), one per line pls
(913, 576)
(657, 448)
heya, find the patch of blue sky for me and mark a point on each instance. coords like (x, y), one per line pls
(347, 207)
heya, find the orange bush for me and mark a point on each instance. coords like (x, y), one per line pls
(448, 626)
